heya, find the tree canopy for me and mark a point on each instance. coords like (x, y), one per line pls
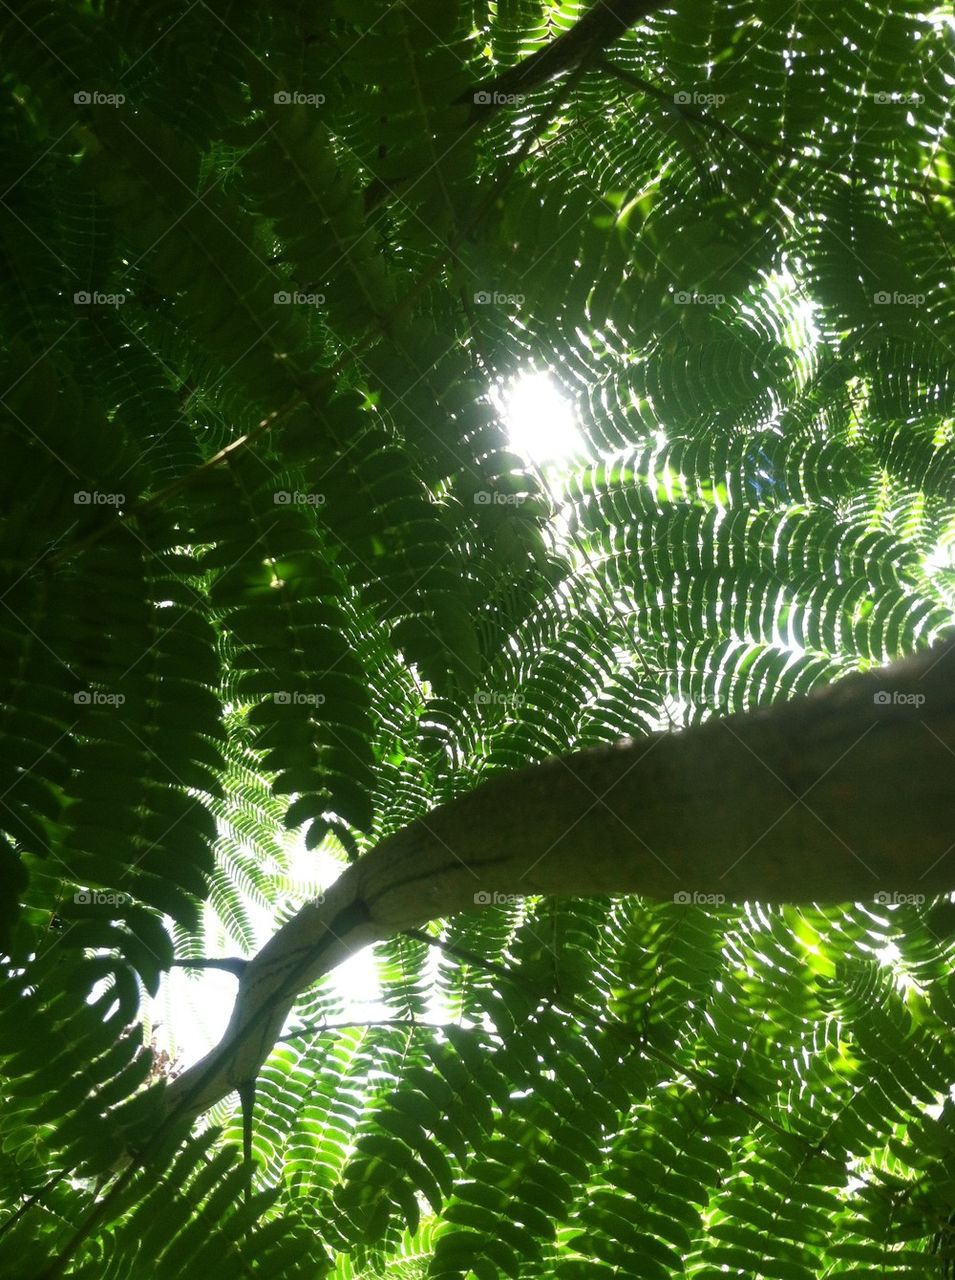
(635, 767)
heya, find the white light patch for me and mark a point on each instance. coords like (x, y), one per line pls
(541, 422)
(941, 558)
(191, 1013)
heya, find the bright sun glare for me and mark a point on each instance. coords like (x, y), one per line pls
(541, 422)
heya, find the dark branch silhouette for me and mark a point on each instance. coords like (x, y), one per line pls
(596, 31)
(232, 964)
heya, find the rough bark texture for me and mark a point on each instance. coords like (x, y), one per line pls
(839, 797)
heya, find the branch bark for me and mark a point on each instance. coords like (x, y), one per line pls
(231, 964)
(588, 38)
(592, 35)
(839, 797)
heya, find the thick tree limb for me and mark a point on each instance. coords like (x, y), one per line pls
(839, 797)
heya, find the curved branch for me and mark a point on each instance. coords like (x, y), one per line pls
(841, 796)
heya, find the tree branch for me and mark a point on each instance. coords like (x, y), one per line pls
(232, 964)
(596, 31)
(843, 796)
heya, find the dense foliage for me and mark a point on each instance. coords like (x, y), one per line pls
(270, 564)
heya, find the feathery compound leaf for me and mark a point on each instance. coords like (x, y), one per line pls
(394, 397)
